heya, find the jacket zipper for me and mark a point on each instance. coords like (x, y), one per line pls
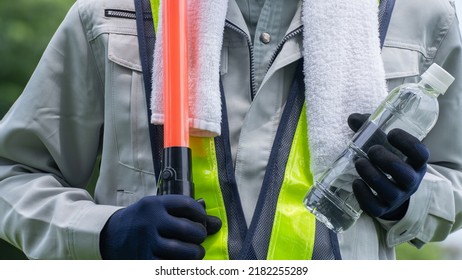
(286, 38)
(115, 13)
(251, 51)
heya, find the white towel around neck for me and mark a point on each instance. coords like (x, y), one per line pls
(342, 66)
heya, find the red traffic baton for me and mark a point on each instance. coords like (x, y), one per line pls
(176, 175)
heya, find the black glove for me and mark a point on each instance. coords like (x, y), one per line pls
(391, 198)
(158, 227)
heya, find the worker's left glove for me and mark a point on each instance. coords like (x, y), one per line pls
(391, 198)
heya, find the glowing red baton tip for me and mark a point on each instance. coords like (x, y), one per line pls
(175, 59)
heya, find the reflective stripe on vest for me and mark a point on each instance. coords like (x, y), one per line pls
(207, 186)
(292, 236)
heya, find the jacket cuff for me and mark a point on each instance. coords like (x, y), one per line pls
(425, 220)
(85, 229)
(409, 227)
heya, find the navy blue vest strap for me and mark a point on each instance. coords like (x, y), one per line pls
(146, 42)
(237, 227)
(385, 11)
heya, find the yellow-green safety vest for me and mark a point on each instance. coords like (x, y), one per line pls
(292, 235)
(282, 228)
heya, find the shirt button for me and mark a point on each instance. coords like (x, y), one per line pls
(265, 38)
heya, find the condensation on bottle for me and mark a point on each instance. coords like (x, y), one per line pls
(412, 107)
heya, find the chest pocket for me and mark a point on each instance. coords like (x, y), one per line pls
(401, 65)
(127, 103)
(234, 45)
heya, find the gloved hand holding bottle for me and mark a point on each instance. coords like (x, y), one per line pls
(384, 163)
(382, 196)
(158, 227)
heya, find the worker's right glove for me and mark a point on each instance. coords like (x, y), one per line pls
(158, 227)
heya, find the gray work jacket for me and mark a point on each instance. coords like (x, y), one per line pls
(86, 100)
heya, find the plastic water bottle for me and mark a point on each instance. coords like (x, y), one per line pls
(412, 107)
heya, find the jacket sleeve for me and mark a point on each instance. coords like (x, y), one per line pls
(435, 210)
(49, 143)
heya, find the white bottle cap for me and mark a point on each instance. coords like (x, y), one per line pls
(437, 78)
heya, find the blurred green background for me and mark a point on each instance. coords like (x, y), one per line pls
(26, 26)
